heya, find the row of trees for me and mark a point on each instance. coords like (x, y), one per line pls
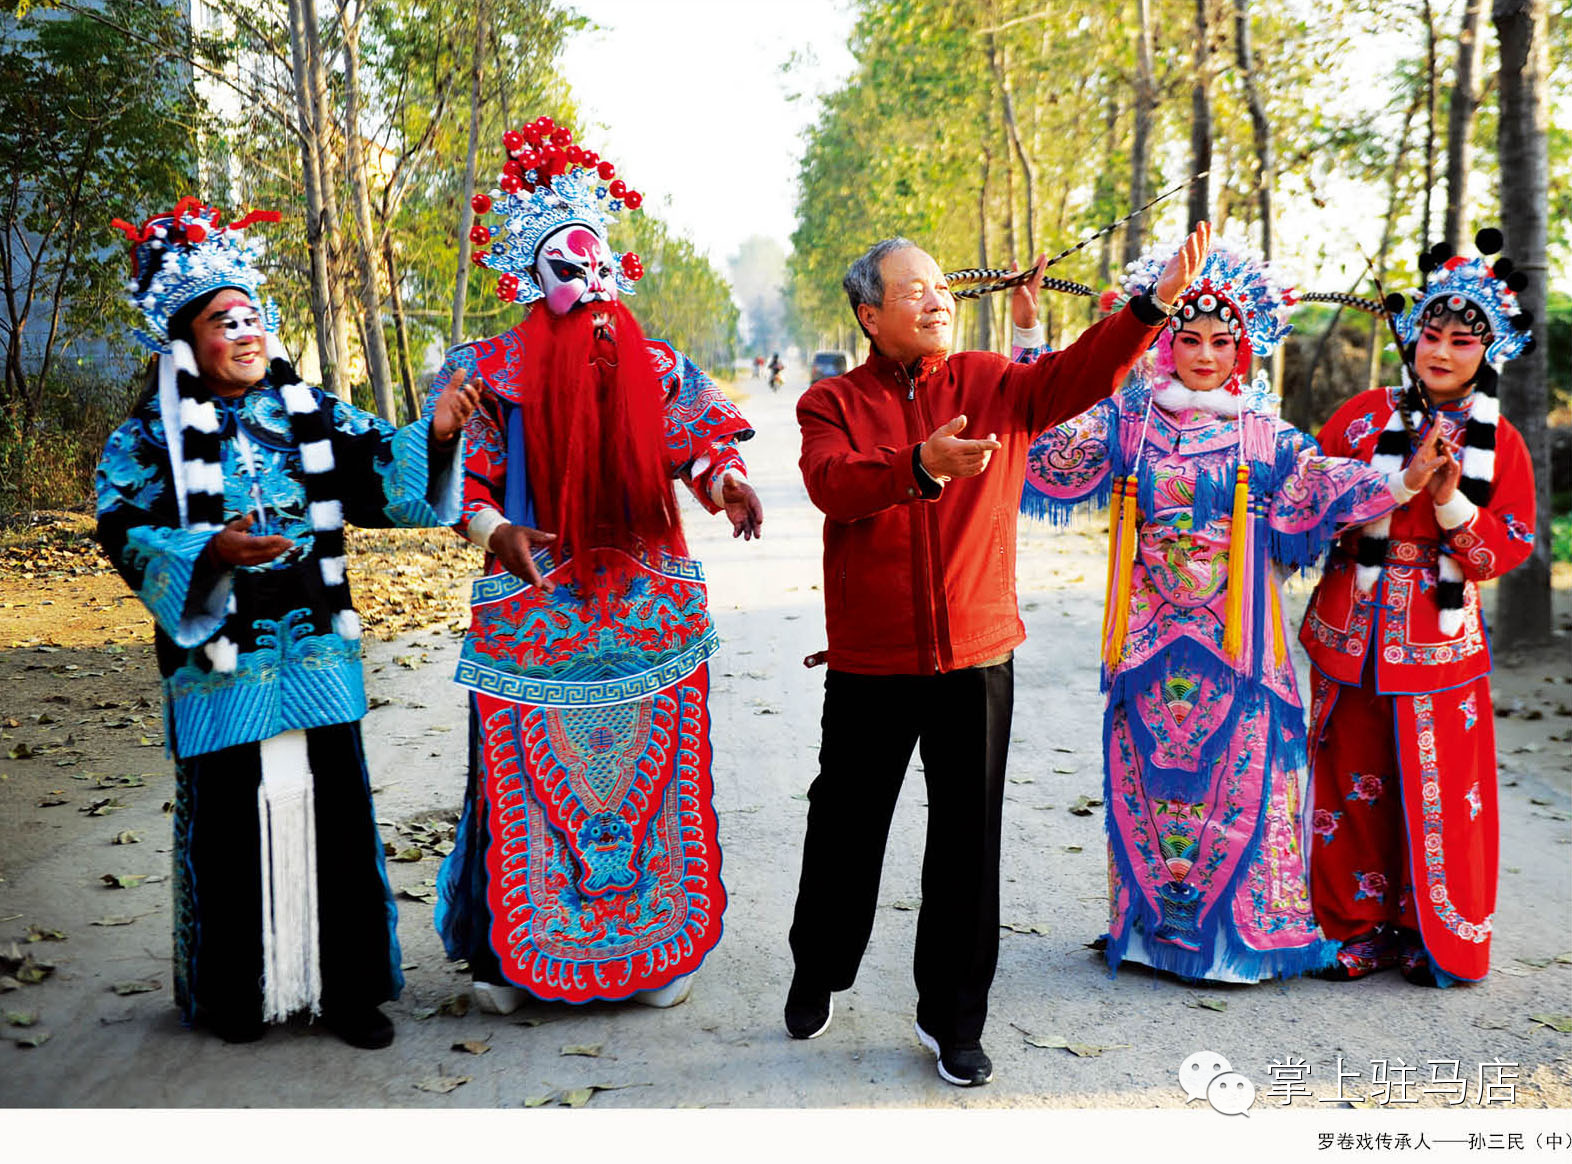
(368, 124)
(989, 130)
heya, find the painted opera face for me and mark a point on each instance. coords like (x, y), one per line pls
(575, 266)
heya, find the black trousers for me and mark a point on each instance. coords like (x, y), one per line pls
(960, 721)
(218, 880)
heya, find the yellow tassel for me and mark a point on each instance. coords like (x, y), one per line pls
(1279, 636)
(1115, 516)
(1121, 577)
(1233, 627)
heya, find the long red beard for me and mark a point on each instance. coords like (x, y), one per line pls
(594, 423)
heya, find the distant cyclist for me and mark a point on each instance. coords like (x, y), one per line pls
(776, 366)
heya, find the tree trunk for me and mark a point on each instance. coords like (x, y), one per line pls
(305, 117)
(328, 186)
(1460, 125)
(1266, 165)
(1145, 102)
(1393, 205)
(983, 334)
(1200, 122)
(1523, 607)
(370, 298)
(466, 212)
(1430, 121)
(996, 61)
(406, 369)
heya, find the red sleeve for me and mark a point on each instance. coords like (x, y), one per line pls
(845, 482)
(1499, 536)
(1333, 436)
(1065, 383)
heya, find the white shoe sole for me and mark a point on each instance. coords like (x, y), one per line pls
(495, 999)
(674, 993)
(827, 1019)
(932, 1044)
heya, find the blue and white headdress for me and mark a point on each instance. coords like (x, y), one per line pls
(1481, 294)
(547, 183)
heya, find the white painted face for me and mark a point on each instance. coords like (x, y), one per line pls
(574, 266)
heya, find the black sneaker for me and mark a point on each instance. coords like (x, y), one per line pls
(808, 1011)
(964, 1064)
(365, 1027)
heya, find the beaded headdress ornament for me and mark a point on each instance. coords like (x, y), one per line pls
(548, 182)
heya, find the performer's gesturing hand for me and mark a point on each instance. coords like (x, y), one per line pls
(1185, 264)
(945, 455)
(454, 408)
(1023, 300)
(1429, 458)
(743, 508)
(513, 545)
(1447, 473)
(237, 546)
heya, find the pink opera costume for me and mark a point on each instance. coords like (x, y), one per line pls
(587, 864)
(1214, 498)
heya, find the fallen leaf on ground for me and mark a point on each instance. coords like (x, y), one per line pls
(454, 1005)
(1216, 1004)
(136, 986)
(1064, 770)
(37, 933)
(112, 921)
(21, 1018)
(1536, 963)
(8, 983)
(473, 1046)
(410, 854)
(1072, 848)
(578, 1097)
(541, 1100)
(126, 837)
(32, 973)
(1022, 928)
(52, 800)
(32, 1039)
(442, 1084)
(906, 905)
(1084, 804)
(589, 1050)
(1567, 957)
(123, 880)
(1556, 1022)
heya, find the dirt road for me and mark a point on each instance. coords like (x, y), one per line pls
(83, 729)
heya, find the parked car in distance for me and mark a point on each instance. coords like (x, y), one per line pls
(828, 364)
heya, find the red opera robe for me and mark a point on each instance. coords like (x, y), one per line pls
(1402, 735)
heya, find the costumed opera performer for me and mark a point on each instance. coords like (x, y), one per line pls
(222, 502)
(1403, 755)
(1214, 499)
(916, 459)
(587, 863)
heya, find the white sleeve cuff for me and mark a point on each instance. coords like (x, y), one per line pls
(482, 526)
(1459, 510)
(1394, 482)
(1028, 337)
(718, 485)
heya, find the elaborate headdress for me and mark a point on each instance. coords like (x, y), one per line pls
(177, 258)
(182, 255)
(547, 183)
(1235, 284)
(1484, 297)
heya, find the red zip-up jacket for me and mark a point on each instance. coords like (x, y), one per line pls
(920, 579)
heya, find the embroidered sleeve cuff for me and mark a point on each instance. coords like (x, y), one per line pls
(1146, 310)
(929, 487)
(482, 526)
(1028, 337)
(1459, 510)
(1403, 494)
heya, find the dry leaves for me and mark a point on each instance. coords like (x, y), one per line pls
(442, 1084)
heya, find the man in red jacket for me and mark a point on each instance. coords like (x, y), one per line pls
(919, 595)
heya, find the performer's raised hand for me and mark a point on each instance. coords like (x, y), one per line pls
(514, 546)
(945, 455)
(1444, 481)
(1023, 300)
(1185, 265)
(237, 546)
(743, 508)
(454, 407)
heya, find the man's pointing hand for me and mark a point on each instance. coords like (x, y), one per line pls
(945, 455)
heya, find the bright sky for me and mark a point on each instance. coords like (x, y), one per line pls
(688, 98)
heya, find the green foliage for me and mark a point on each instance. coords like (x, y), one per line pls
(682, 298)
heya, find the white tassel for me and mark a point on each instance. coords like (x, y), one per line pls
(184, 357)
(223, 654)
(201, 416)
(291, 950)
(275, 348)
(205, 477)
(1366, 577)
(333, 571)
(169, 415)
